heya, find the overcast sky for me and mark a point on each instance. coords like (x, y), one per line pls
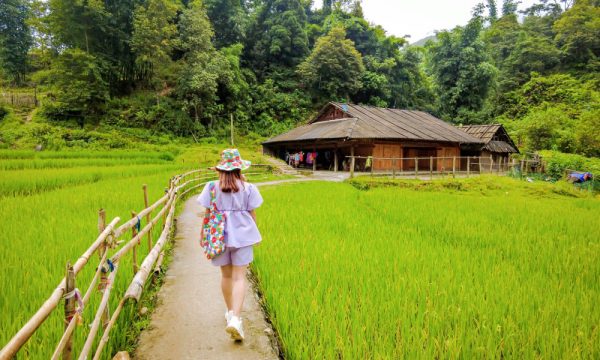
(420, 18)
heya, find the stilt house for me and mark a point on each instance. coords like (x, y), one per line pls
(343, 130)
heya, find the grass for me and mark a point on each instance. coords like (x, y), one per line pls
(476, 270)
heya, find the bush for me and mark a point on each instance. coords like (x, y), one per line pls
(557, 162)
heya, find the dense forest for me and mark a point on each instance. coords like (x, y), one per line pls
(186, 67)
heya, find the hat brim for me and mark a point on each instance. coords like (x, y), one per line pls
(229, 166)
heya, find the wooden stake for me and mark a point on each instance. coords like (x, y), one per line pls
(69, 309)
(454, 167)
(393, 168)
(416, 168)
(335, 160)
(351, 162)
(479, 165)
(231, 123)
(134, 250)
(431, 168)
(145, 188)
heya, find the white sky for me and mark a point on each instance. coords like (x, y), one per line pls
(420, 18)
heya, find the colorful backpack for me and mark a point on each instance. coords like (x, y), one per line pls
(213, 227)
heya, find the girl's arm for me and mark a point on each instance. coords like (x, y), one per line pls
(253, 214)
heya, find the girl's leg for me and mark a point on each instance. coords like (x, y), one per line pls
(239, 288)
(227, 285)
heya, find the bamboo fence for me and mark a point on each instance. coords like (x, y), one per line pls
(108, 241)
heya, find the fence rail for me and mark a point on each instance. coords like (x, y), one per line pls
(432, 165)
(107, 241)
(19, 99)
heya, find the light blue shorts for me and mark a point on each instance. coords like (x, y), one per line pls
(235, 256)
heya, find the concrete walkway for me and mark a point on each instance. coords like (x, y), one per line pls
(189, 321)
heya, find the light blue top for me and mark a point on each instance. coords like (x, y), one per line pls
(240, 228)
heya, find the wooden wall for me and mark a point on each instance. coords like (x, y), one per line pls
(411, 151)
(331, 114)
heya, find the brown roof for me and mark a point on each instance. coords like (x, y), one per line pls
(495, 136)
(366, 122)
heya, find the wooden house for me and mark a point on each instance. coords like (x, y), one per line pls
(498, 144)
(342, 130)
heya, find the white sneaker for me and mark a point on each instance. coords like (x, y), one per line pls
(228, 315)
(234, 328)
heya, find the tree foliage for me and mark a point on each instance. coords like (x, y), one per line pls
(334, 68)
(186, 66)
(15, 40)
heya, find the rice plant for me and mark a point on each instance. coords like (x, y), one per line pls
(401, 273)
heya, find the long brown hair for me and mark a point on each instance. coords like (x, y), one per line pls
(228, 180)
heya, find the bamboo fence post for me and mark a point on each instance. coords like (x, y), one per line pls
(454, 167)
(134, 250)
(468, 166)
(416, 168)
(431, 168)
(145, 187)
(70, 303)
(479, 162)
(102, 250)
(393, 169)
(491, 164)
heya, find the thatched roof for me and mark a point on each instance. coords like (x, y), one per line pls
(494, 135)
(366, 122)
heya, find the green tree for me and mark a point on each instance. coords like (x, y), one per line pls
(15, 40)
(277, 40)
(154, 34)
(228, 18)
(492, 10)
(203, 66)
(462, 72)
(77, 88)
(334, 68)
(509, 7)
(578, 35)
(101, 28)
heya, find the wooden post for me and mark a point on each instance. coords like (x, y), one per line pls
(101, 251)
(479, 165)
(134, 250)
(335, 160)
(393, 168)
(70, 304)
(468, 166)
(231, 117)
(491, 164)
(431, 168)
(314, 159)
(454, 167)
(500, 165)
(145, 188)
(416, 168)
(351, 162)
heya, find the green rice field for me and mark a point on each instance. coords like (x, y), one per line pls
(477, 268)
(49, 204)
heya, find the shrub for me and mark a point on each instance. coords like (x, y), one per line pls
(557, 162)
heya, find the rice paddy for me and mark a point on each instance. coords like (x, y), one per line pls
(486, 269)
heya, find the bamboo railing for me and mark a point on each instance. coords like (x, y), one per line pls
(107, 241)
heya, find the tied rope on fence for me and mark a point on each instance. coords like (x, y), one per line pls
(106, 271)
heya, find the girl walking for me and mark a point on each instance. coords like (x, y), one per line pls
(237, 199)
